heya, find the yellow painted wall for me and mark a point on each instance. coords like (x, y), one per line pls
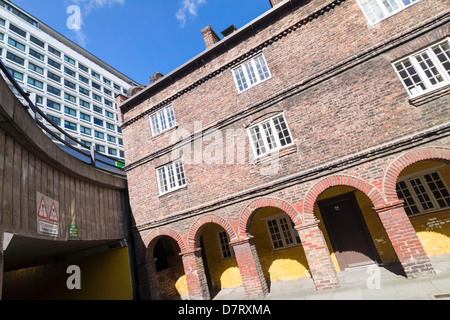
(281, 264)
(433, 229)
(104, 276)
(224, 273)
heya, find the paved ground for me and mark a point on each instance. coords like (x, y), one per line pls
(361, 284)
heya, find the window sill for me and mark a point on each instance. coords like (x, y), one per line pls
(159, 135)
(430, 96)
(428, 212)
(162, 195)
(290, 149)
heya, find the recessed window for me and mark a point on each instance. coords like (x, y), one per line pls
(53, 63)
(36, 54)
(377, 10)
(35, 68)
(423, 193)
(282, 232)
(85, 131)
(70, 111)
(69, 60)
(53, 90)
(426, 70)
(70, 125)
(16, 74)
(227, 251)
(171, 177)
(270, 135)
(36, 83)
(36, 41)
(16, 44)
(162, 120)
(251, 73)
(14, 58)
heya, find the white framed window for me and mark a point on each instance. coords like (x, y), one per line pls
(282, 232)
(270, 135)
(162, 120)
(251, 73)
(426, 70)
(423, 193)
(227, 251)
(171, 177)
(377, 10)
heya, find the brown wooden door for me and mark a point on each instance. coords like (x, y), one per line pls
(348, 231)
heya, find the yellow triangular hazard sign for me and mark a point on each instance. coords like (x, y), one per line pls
(53, 213)
(42, 210)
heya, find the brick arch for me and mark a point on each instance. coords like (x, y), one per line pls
(245, 215)
(340, 180)
(394, 169)
(192, 243)
(165, 232)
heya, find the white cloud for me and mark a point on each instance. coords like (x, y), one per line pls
(188, 8)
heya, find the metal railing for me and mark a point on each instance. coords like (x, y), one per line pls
(85, 153)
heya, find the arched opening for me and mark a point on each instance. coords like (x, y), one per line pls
(353, 231)
(425, 189)
(219, 261)
(169, 270)
(278, 246)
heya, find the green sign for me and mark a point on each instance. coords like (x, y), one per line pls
(120, 164)
(73, 231)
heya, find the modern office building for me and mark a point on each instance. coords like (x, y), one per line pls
(74, 88)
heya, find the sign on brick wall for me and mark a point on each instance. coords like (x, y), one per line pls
(47, 215)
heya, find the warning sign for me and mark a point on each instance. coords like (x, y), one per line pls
(47, 215)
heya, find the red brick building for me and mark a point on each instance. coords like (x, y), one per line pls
(313, 139)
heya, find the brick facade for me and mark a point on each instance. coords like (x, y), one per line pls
(352, 121)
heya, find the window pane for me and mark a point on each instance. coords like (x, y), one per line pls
(429, 68)
(170, 116)
(180, 174)
(257, 141)
(390, 5)
(225, 244)
(438, 189)
(269, 136)
(155, 125)
(240, 79)
(275, 235)
(404, 194)
(282, 130)
(288, 239)
(371, 10)
(442, 52)
(261, 65)
(162, 180)
(421, 194)
(171, 175)
(250, 72)
(410, 77)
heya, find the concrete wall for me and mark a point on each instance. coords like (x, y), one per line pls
(30, 165)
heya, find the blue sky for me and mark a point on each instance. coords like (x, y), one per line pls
(139, 37)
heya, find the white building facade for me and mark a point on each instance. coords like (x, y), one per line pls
(75, 89)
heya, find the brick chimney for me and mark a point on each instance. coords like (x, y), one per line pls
(275, 2)
(210, 36)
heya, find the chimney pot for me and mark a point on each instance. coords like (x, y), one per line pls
(229, 30)
(210, 36)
